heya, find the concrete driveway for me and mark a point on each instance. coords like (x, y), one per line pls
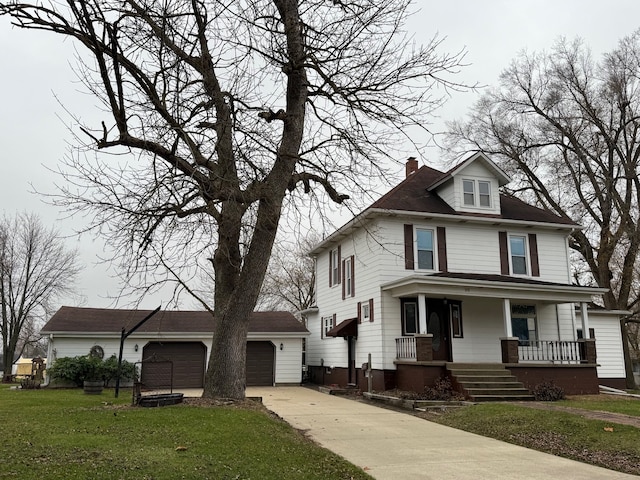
(392, 445)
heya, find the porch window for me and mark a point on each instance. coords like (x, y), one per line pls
(425, 248)
(518, 247)
(409, 317)
(523, 323)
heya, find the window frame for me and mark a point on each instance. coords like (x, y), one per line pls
(328, 322)
(366, 311)
(455, 315)
(434, 248)
(348, 269)
(334, 266)
(403, 312)
(525, 256)
(484, 195)
(531, 319)
(472, 183)
(476, 195)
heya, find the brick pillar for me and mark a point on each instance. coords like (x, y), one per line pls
(587, 350)
(424, 347)
(509, 347)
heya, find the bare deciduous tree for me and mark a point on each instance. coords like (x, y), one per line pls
(36, 269)
(567, 127)
(290, 281)
(236, 111)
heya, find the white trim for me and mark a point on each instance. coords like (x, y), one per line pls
(436, 285)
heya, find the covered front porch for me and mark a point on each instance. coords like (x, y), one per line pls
(492, 318)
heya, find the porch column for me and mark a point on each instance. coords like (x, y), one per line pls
(585, 320)
(422, 313)
(506, 315)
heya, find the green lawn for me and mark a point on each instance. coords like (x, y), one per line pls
(600, 443)
(605, 403)
(65, 434)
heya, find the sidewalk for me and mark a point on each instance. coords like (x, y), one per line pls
(390, 445)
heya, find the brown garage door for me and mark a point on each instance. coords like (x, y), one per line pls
(188, 360)
(260, 364)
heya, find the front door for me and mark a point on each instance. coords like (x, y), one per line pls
(438, 326)
(351, 355)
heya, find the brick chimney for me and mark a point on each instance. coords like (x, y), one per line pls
(411, 166)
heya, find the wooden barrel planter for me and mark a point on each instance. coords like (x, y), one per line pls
(93, 388)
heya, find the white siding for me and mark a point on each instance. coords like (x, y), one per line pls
(288, 368)
(482, 327)
(610, 356)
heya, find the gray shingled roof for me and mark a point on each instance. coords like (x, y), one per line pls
(105, 320)
(411, 195)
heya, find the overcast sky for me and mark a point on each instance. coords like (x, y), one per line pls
(37, 78)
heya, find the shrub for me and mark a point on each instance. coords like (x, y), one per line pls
(79, 369)
(548, 392)
(128, 370)
(441, 390)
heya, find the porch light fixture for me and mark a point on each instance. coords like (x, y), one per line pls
(282, 346)
(135, 347)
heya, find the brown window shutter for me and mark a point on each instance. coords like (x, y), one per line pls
(371, 309)
(408, 247)
(359, 312)
(334, 321)
(353, 276)
(442, 249)
(504, 253)
(321, 327)
(343, 284)
(330, 268)
(533, 255)
(339, 263)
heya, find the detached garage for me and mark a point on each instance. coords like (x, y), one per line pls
(179, 342)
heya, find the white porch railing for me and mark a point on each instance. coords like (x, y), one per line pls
(406, 348)
(549, 351)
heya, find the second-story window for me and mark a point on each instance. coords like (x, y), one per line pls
(348, 277)
(518, 248)
(424, 243)
(484, 193)
(469, 194)
(334, 267)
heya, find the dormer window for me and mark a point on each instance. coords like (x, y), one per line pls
(484, 193)
(468, 187)
(482, 198)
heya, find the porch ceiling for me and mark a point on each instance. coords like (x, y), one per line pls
(489, 286)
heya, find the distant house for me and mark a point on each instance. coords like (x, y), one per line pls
(176, 344)
(446, 276)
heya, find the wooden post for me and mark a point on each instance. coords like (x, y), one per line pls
(369, 375)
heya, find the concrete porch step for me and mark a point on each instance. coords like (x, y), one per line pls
(488, 382)
(496, 372)
(507, 392)
(485, 378)
(485, 384)
(502, 398)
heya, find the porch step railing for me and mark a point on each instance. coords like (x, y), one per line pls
(549, 351)
(406, 348)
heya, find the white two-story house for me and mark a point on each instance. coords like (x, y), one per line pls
(445, 274)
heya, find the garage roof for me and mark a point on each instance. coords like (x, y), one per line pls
(104, 320)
